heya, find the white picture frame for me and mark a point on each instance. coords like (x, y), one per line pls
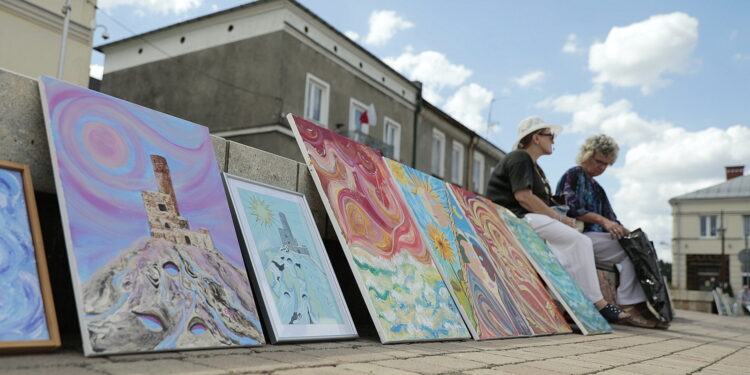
(262, 212)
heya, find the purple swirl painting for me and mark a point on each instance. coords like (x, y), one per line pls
(154, 257)
(21, 305)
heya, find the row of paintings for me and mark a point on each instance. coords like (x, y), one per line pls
(428, 255)
(158, 253)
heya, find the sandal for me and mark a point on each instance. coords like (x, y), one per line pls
(637, 319)
(612, 313)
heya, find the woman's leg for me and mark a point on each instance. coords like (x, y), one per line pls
(606, 249)
(572, 249)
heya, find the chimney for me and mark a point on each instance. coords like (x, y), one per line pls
(735, 171)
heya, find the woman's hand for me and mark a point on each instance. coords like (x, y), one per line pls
(569, 221)
(615, 230)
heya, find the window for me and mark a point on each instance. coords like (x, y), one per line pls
(356, 109)
(457, 163)
(746, 225)
(392, 136)
(477, 173)
(162, 207)
(316, 100)
(704, 270)
(187, 240)
(708, 226)
(438, 153)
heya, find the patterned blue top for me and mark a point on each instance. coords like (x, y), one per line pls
(584, 195)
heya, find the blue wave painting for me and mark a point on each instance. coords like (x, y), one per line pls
(579, 307)
(21, 306)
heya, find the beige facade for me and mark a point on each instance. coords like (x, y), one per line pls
(697, 222)
(39, 23)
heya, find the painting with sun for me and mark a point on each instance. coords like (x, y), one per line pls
(481, 296)
(298, 291)
(403, 290)
(154, 257)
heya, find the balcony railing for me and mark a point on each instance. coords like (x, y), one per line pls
(370, 141)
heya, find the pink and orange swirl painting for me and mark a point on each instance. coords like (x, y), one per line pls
(541, 312)
(404, 292)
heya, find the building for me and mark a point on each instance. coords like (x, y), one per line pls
(164, 220)
(710, 228)
(39, 23)
(240, 71)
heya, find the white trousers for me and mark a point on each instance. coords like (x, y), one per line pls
(608, 250)
(574, 251)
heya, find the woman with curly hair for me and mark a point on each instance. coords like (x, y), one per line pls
(588, 202)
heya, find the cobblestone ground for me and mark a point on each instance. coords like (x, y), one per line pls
(697, 343)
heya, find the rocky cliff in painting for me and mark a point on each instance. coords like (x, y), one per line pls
(159, 295)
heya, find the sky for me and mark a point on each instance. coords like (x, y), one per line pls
(668, 80)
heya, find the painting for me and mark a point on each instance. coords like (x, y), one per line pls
(404, 293)
(154, 257)
(482, 298)
(535, 303)
(27, 312)
(566, 291)
(299, 294)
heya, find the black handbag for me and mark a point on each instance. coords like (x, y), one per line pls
(643, 255)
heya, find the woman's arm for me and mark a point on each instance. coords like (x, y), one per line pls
(613, 227)
(532, 203)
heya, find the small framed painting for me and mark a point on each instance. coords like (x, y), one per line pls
(27, 313)
(300, 297)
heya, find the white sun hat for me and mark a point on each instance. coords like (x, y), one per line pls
(532, 124)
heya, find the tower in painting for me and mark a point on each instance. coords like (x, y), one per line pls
(164, 218)
(287, 238)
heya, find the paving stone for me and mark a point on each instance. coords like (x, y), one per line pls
(147, 356)
(567, 366)
(371, 368)
(46, 360)
(389, 351)
(328, 370)
(71, 370)
(343, 355)
(523, 369)
(160, 367)
(217, 352)
(277, 348)
(650, 369)
(431, 364)
(524, 354)
(240, 363)
(487, 357)
(297, 358)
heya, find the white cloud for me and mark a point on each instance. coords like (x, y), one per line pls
(352, 35)
(661, 159)
(571, 45)
(529, 79)
(432, 68)
(384, 24)
(467, 104)
(96, 71)
(641, 53)
(157, 6)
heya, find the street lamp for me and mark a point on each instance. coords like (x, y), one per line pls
(722, 231)
(66, 26)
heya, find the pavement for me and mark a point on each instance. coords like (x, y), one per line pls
(697, 343)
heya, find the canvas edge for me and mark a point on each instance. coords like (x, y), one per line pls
(45, 288)
(464, 315)
(543, 274)
(64, 217)
(274, 335)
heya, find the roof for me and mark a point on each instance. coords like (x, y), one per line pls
(295, 3)
(738, 187)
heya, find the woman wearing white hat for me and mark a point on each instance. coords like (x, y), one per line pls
(518, 184)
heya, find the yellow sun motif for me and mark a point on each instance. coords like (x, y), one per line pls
(439, 242)
(399, 173)
(264, 214)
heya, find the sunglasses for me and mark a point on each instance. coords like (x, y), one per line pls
(551, 135)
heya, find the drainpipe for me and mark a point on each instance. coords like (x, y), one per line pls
(417, 109)
(470, 163)
(66, 26)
